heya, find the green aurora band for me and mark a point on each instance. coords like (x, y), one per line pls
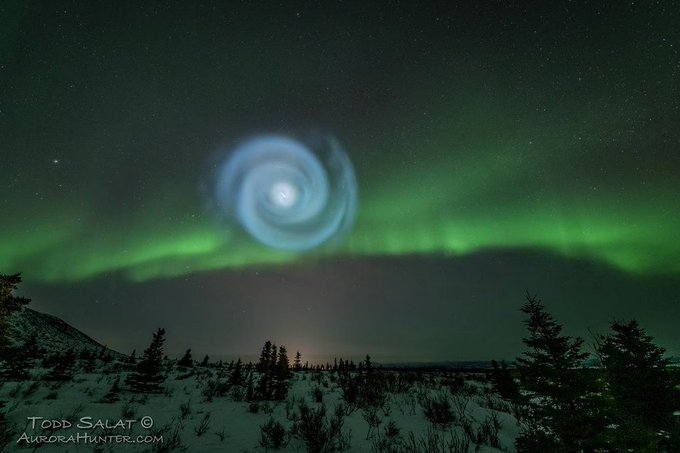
(483, 200)
(556, 136)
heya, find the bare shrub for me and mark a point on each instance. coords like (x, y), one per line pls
(438, 410)
(320, 433)
(203, 426)
(371, 416)
(272, 435)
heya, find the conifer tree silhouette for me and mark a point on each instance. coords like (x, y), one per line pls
(642, 389)
(503, 381)
(274, 373)
(9, 304)
(150, 373)
(265, 357)
(63, 368)
(186, 361)
(565, 410)
(281, 375)
(236, 377)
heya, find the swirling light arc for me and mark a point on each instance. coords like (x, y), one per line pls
(288, 194)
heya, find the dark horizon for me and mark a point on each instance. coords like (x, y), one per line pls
(476, 321)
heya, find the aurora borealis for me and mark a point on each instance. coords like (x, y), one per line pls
(549, 132)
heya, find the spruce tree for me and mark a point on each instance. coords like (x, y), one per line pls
(565, 412)
(89, 362)
(266, 367)
(113, 394)
(33, 350)
(236, 377)
(63, 368)
(250, 388)
(274, 373)
(9, 304)
(368, 366)
(105, 355)
(265, 356)
(297, 364)
(281, 376)
(150, 373)
(271, 362)
(186, 361)
(18, 360)
(503, 381)
(130, 362)
(17, 363)
(641, 387)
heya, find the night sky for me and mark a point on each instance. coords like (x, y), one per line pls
(497, 148)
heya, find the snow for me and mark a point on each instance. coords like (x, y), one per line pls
(231, 425)
(187, 421)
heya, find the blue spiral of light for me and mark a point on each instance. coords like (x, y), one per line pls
(288, 194)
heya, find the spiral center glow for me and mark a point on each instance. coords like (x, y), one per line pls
(288, 194)
(283, 194)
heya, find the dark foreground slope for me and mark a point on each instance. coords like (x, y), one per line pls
(52, 333)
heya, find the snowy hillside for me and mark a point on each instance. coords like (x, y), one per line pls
(53, 334)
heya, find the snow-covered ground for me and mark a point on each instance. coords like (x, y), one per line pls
(188, 421)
